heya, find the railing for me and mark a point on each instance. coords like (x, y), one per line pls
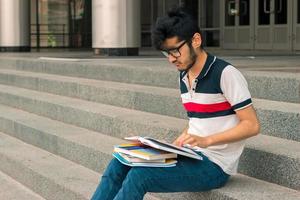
(49, 35)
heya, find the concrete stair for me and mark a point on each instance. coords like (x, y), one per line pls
(49, 175)
(69, 121)
(68, 180)
(157, 72)
(13, 190)
(86, 148)
(278, 119)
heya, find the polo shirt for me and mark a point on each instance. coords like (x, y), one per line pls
(211, 102)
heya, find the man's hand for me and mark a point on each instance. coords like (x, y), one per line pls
(183, 134)
(193, 140)
(180, 138)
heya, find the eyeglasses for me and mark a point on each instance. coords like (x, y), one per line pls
(174, 51)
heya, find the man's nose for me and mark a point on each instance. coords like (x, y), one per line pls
(171, 58)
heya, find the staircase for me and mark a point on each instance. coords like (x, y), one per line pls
(59, 121)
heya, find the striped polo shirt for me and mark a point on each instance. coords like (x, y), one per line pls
(211, 102)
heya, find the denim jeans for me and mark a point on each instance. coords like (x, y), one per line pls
(121, 182)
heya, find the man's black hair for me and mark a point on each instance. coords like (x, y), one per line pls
(176, 23)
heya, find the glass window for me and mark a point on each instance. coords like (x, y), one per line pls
(229, 12)
(280, 11)
(53, 22)
(192, 7)
(264, 12)
(160, 8)
(244, 16)
(209, 14)
(80, 22)
(298, 11)
(61, 23)
(146, 9)
(211, 38)
(171, 4)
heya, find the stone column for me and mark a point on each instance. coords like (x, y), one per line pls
(116, 27)
(14, 25)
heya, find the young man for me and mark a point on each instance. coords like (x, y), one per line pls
(220, 112)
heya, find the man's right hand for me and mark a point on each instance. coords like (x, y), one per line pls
(183, 134)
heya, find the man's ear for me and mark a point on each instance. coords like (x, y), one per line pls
(197, 40)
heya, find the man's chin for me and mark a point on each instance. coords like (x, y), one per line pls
(181, 69)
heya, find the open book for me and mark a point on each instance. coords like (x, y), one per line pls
(158, 144)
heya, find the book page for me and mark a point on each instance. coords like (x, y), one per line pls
(166, 146)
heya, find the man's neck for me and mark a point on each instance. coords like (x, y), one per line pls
(199, 64)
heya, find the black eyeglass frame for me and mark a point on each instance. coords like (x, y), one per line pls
(167, 52)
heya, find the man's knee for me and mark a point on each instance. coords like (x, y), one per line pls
(138, 177)
(115, 170)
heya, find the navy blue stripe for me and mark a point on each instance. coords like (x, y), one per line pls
(210, 115)
(242, 104)
(211, 82)
(183, 88)
(208, 62)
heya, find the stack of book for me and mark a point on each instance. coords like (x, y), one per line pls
(138, 154)
(148, 152)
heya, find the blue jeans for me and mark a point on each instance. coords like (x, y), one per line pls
(121, 182)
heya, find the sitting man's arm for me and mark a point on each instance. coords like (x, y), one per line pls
(247, 127)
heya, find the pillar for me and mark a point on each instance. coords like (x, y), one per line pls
(116, 27)
(14, 25)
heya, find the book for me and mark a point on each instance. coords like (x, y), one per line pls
(168, 163)
(133, 159)
(161, 145)
(142, 151)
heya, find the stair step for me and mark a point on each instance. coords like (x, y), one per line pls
(12, 190)
(278, 86)
(95, 116)
(282, 156)
(240, 187)
(265, 157)
(279, 119)
(139, 97)
(65, 180)
(50, 176)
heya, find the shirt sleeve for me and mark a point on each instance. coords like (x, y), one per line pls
(235, 88)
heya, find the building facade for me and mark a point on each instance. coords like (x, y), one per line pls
(108, 26)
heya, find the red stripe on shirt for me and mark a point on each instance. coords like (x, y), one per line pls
(195, 107)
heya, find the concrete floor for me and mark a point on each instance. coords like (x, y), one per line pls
(280, 61)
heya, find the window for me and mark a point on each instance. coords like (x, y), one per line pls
(264, 12)
(229, 15)
(280, 11)
(244, 14)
